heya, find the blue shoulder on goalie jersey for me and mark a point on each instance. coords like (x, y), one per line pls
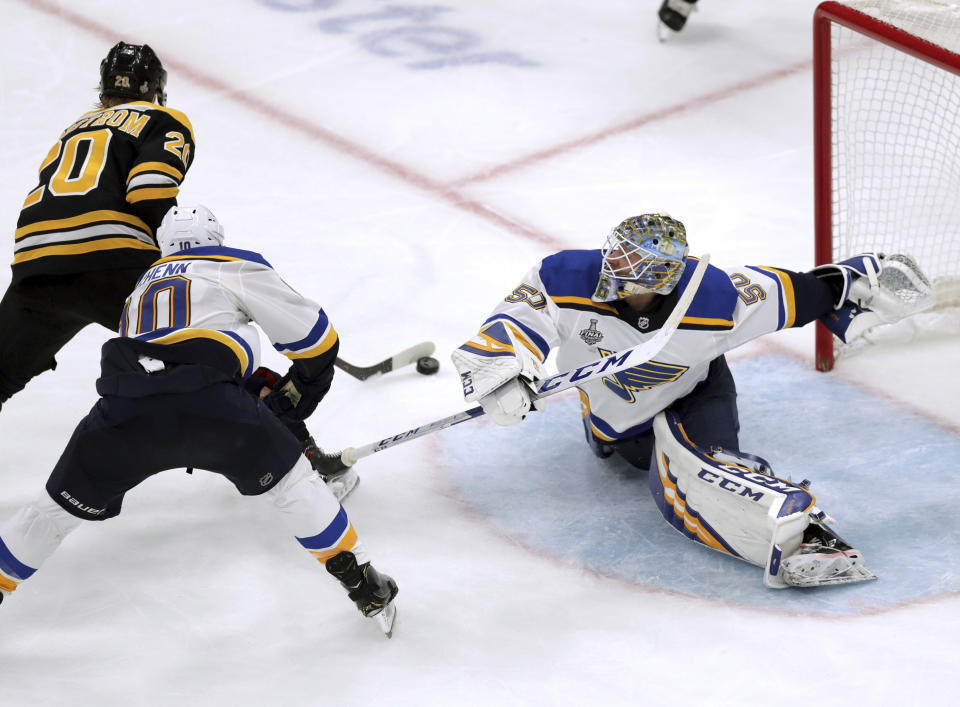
(216, 252)
(716, 299)
(570, 279)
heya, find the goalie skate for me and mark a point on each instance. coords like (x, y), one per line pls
(824, 559)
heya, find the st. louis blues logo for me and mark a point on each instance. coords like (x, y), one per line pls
(643, 377)
(591, 335)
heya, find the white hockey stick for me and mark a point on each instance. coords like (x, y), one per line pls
(610, 365)
(404, 358)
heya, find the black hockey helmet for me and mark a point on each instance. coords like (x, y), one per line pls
(133, 71)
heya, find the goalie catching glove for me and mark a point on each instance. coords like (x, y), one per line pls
(872, 289)
(497, 368)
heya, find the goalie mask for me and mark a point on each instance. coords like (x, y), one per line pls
(188, 227)
(133, 71)
(643, 254)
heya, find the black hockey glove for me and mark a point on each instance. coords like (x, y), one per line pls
(294, 398)
(261, 378)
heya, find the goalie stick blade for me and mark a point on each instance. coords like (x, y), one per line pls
(386, 618)
(404, 358)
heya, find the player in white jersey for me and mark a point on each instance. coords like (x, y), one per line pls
(588, 304)
(172, 396)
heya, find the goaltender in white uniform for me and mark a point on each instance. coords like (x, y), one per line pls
(676, 414)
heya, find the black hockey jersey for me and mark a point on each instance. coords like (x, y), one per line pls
(104, 187)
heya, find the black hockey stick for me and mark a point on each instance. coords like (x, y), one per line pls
(404, 358)
(606, 366)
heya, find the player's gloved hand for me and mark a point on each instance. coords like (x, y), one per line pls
(294, 398)
(853, 280)
(498, 354)
(261, 378)
(508, 404)
(872, 289)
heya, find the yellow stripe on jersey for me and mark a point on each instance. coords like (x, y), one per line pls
(347, 542)
(152, 193)
(586, 301)
(600, 435)
(8, 584)
(81, 248)
(789, 297)
(325, 345)
(218, 336)
(155, 167)
(81, 220)
(707, 321)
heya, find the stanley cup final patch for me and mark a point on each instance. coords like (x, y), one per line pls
(591, 335)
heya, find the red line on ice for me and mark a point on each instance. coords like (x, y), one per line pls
(448, 192)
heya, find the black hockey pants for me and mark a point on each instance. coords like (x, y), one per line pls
(708, 413)
(186, 416)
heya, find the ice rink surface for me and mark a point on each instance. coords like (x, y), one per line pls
(404, 164)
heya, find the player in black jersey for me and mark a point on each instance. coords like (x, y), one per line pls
(87, 229)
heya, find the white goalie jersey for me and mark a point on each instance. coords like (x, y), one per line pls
(207, 298)
(553, 310)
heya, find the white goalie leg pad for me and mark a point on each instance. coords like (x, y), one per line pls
(726, 503)
(311, 511)
(30, 537)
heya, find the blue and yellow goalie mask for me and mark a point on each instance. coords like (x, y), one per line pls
(643, 254)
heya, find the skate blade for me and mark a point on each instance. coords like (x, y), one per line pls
(386, 618)
(344, 484)
(857, 573)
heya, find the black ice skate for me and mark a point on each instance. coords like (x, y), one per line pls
(372, 591)
(339, 478)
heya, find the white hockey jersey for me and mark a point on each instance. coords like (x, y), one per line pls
(554, 310)
(208, 298)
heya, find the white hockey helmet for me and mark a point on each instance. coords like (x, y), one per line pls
(642, 254)
(188, 227)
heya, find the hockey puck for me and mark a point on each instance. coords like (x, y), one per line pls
(427, 365)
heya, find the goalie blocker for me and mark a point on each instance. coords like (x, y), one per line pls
(732, 503)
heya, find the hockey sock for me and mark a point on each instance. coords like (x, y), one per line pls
(30, 537)
(313, 514)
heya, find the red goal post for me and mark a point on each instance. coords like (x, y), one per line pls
(887, 138)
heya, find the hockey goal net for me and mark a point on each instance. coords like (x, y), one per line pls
(887, 144)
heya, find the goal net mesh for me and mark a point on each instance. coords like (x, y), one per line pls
(895, 147)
